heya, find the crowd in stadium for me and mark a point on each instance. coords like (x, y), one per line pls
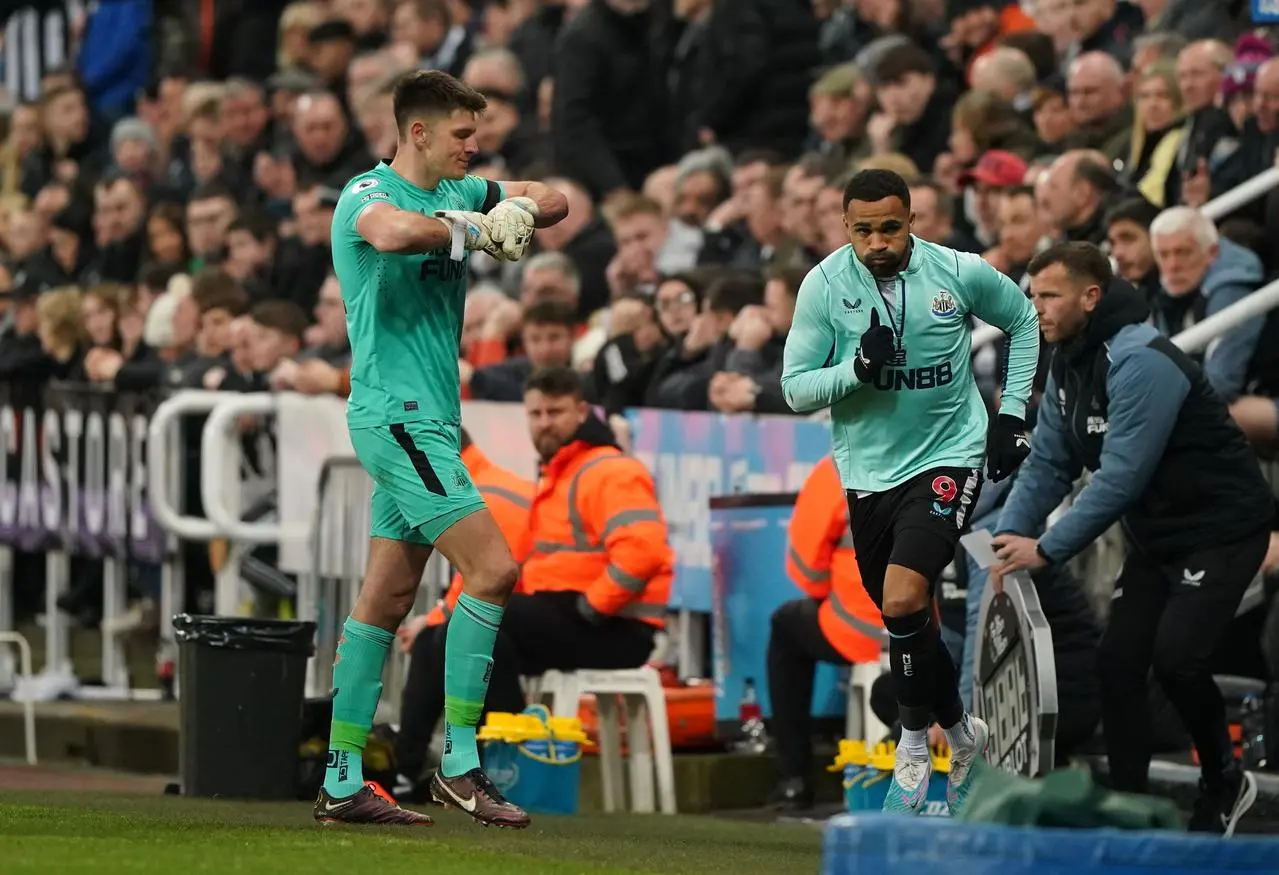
(168, 181)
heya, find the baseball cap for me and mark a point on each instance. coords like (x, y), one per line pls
(998, 168)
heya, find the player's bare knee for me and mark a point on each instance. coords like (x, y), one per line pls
(494, 581)
(904, 604)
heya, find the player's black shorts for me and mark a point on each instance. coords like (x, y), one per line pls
(916, 525)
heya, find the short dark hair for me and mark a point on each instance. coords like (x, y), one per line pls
(425, 92)
(903, 60)
(215, 289)
(1137, 210)
(1099, 176)
(789, 275)
(207, 191)
(257, 223)
(431, 10)
(556, 381)
(155, 276)
(285, 317)
(875, 185)
(729, 294)
(1080, 259)
(551, 313)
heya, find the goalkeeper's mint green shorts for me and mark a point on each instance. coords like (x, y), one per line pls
(420, 486)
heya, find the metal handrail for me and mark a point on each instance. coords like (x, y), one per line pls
(1242, 194)
(218, 465)
(160, 486)
(1197, 337)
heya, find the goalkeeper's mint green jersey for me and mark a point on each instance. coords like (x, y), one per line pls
(923, 409)
(403, 312)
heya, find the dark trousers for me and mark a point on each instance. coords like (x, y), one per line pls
(538, 633)
(1171, 616)
(795, 646)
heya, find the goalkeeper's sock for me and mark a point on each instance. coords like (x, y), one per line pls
(357, 683)
(468, 665)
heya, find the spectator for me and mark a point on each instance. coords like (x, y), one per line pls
(550, 276)
(829, 215)
(641, 233)
(995, 172)
(369, 20)
(1108, 27)
(275, 334)
(547, 337)
(69, 146)
(1128, 234)
(115, 55)
(1156, 135)
(934, 211)
(330, 48)
(682, 378)
(1098, 104)
(755, 67)
(914, 104)
(982, 121)
(327, 152)
(251, 247)
(166, 237)
(624, 365)
(1008, 74)
(1052, 117)
(757, 239)
(838, 106)
(1209, 137)
(438, 41)
(800, 187)
(210, 212)
(119, 211)
(752, 372)
(1201, 274)
(1022, 234)
(607, 50)
(60, 327)
(21, 355)
(585, 237)
(1073, 195)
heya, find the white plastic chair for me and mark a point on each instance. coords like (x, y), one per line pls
(860, 721)
(647, 729)
(28, 705)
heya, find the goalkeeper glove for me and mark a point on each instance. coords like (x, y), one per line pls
(471, 231)
(1007, 446)
(511, 228)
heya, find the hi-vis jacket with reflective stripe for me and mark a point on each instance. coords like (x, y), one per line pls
(508, 497)
(820, 560)
(596, 528)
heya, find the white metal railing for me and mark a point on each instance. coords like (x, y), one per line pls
(1257, 305)
(1242, 194)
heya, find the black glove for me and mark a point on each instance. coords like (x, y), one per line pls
(1007, 446)
(874, 350)
(587, 611)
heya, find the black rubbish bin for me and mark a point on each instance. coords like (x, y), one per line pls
(240, 704)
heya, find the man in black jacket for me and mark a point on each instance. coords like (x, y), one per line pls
(1172, 467)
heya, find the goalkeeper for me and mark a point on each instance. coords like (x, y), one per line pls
(401, 235)
(881, 337)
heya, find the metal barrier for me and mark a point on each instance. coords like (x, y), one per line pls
(339, 543)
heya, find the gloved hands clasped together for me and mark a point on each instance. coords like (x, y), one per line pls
(505, 232)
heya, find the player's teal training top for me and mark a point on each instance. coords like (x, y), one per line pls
(403, 312)
(923, 409)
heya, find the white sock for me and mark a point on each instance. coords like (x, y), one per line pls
(915, 742)
(962, 735)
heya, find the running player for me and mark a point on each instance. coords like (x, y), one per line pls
(881, 337)
(400, 236)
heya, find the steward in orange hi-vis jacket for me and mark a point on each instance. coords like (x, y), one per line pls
(837, 623)
(508, 497)
(597, 571)
(821, 562)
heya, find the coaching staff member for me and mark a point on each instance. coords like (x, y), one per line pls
(1169, 463)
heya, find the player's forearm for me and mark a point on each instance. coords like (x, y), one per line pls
(401, 231)
(810, 391)
(552, 206)
(1023, 359)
